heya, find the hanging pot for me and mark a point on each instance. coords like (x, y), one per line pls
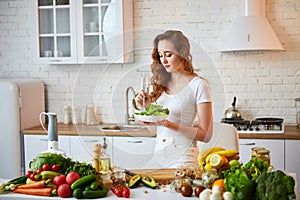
(233, 113)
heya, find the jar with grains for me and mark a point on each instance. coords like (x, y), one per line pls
(208, 177)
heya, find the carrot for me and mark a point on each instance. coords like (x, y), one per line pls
(37, 184)
(35, 191)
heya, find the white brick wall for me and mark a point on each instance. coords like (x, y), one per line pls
(265, 83)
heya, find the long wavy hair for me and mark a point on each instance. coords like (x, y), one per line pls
(160, 76)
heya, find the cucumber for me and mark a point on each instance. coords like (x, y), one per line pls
(83, 181)
(92, 194)
(77, 193)
(95, 184)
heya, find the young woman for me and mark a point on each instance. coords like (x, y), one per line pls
(186, 95)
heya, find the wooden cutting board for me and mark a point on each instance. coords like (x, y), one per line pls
(162, 176)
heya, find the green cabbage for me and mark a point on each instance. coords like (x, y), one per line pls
(51, 159)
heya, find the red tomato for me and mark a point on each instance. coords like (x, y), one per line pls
(126, 193)
(32, 176)
(38, 171)
(55, 168)
(46, 167)
(119, 192)
(28, 173)
(59, 180)
(64, 191)
(72, 177)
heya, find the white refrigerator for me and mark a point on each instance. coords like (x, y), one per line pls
(21, 102)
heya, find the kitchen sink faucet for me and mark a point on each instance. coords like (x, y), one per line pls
(129, 118)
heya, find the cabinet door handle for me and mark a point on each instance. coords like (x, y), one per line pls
(135, 142)
(90, 140)
(44, 140)
(248, 144)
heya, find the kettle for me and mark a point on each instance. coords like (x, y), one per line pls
(233, 113)
(52, 132)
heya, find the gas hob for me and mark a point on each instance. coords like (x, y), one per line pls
(257, 126)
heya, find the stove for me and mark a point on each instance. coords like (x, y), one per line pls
(266, 125)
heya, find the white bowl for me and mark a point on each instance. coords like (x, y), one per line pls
(146, 118)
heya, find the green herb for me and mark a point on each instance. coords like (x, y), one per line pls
(155, 110)
(81, 168)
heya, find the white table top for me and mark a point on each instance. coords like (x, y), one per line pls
(136, 193)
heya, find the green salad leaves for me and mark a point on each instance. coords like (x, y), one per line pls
(155, 110)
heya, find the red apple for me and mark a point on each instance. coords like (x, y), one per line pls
(72, 177)
(59, 180)
(64, 190)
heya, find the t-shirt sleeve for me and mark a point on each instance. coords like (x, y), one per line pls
(202, 92)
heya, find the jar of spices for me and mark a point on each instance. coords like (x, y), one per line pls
(106, 179)
(119, 177)
(254, 151)
(264, 155)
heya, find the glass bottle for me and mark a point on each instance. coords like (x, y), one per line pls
(96, 158)
(105, 157)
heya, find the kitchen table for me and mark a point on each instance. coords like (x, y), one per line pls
(137, 193)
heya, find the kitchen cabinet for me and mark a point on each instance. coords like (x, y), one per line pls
(82, 147)
(292, 162)
(85, 31)
(133, 152)
(36, 144)
(276, 148)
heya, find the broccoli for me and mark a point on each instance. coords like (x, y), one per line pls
(274, 185)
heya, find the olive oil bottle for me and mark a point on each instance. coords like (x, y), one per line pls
(105, 161)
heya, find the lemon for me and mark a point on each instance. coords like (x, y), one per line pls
(216, 160)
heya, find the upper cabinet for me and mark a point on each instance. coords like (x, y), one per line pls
(85, 31)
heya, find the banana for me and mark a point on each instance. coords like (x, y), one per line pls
(203, 154)
(227, 153)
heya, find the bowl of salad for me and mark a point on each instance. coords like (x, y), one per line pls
(154, 113)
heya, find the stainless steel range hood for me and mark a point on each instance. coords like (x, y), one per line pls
(251, 29)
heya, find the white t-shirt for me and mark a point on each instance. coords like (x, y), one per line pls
(173, 148)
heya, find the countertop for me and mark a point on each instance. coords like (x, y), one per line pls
(291, 132)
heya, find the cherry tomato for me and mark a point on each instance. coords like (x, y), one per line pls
(28, 173)
(32, 176)
(46, 167)
(119, 192)
(126, 193)
(38, 171)
(55, 168)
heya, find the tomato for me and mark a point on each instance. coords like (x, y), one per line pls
(126, 193)
(38, 171)
(32, 176)
(119, 192)
(28, 173)
(46, 167)
(64, 191)
(59, 180)
(72, 177)
(55, 168)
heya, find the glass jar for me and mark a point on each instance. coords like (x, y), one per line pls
(208, 177)
(254, 151)
(106, 179)
(264, 155)
(119, 177)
